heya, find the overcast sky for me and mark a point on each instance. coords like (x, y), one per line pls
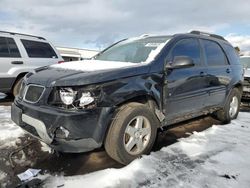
(95, 24)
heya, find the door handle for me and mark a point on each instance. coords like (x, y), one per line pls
(228, 70)
(202, 73)
(17, 62)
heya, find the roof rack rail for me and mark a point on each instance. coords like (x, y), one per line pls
(12, 33)
(208, 34)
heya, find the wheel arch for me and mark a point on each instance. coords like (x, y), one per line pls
(148, 100)
(21, 75)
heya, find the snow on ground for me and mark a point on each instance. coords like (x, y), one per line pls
(216, 157)
(9, 131)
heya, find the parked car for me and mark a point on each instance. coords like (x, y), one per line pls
(20, 54)
(245, 60)
(121, 97)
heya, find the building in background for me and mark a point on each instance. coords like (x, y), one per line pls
(75, 54)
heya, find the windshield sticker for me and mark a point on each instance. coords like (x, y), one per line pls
(153, 44)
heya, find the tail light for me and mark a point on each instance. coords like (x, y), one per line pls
(59, 62)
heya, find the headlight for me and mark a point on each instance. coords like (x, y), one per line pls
(85, 99)
(67, 95)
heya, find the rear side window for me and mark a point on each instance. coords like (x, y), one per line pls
(37, 49)
(231, 54)
(187, 47)
(213, 53)
(8, 47)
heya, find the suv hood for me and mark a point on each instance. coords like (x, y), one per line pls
(85, 72)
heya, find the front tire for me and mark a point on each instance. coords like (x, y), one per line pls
(231, 108)
(132, 133)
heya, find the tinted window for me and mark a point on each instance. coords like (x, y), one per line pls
(213, 53)
(4, 52)
(38, 49)
(14, 52)
(187, 47)
(231, 54)
(8, 47)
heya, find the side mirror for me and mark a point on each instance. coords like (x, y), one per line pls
(180, 62)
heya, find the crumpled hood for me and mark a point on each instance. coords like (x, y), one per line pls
(247, 72)
(85, 72)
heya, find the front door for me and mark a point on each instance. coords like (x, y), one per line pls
(185, 87)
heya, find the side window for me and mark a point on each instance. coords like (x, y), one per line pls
(4, 51)
(37, 49)
(213, 53)
(8, 47)
(13, 50)
(187, 47)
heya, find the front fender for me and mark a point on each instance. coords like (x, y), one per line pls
(122, 90)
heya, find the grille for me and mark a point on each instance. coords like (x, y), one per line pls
(33, 93)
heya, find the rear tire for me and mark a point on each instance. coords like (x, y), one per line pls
(231, 108)
(16, 87)
(132, 133)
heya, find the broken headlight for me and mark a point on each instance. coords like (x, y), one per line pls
(72, 98)
(67, 95)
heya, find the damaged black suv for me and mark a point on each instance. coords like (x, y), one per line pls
(125, 93)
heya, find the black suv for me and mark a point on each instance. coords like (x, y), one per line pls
(123, 95)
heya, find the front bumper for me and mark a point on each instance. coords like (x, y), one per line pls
(86, 127)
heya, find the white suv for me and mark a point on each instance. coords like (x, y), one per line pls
(20, 54)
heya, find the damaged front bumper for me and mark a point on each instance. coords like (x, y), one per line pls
(84, 130)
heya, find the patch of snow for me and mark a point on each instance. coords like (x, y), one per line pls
(93, 65)
(216, 157)
(152, 55)
(2, 175)
(9, 132)
(45, 147)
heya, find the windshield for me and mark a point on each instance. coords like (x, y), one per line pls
(132, 50)
(245, 61)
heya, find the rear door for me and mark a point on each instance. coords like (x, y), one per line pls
(219, 72)
(185, 92)
(9, 57)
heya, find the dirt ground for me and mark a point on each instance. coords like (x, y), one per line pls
(78, 164)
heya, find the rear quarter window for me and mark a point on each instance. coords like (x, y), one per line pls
(231, 54)
(37, 49)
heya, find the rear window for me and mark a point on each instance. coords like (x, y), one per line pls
(37, 49)
(8, 47)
